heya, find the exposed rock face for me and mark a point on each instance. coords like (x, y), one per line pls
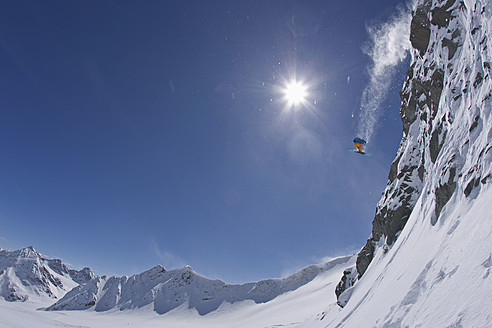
(443, 87)
(79, 276)
(442, 15)
(348, 280)
(420, 29)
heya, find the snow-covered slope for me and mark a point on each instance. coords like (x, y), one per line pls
(433, 276)
(164, 290)
(25, 274)
(427, 262)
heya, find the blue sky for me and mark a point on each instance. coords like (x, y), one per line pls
(142, 133)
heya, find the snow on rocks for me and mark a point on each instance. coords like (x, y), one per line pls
(25, 274)
(434, 216)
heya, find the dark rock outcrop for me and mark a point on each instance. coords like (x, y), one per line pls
(444, 192)
(420, 29)
(441, 15)
(348, 280)
(424, 132)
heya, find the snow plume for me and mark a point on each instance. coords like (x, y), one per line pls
(166, 258)
(388, 46)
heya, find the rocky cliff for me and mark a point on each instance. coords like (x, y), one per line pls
(446, 103)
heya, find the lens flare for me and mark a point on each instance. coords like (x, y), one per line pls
(295, 93)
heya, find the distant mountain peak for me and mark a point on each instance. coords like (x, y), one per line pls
(25, 274)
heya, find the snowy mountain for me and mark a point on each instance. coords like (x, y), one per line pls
(427, 262)
(166, 290)
(289, 307)
(156, 298)
(25, 274)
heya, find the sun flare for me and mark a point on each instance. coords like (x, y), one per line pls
(295, 93)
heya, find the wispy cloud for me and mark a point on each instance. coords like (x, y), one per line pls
(388, 46)
(3, 241)
(292, 266)
(167, 259)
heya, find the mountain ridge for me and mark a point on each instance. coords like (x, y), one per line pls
(166, 290)
(163, 290)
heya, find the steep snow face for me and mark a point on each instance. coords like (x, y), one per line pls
(428, 257)
(164, 290)
(25, 274)
(434, 275)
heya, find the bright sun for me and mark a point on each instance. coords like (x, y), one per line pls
(295, 93)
